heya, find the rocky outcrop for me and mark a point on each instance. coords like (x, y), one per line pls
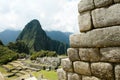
(95, 52)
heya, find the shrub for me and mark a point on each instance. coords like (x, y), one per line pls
(7, 55)
(43, 53)
(22, 55)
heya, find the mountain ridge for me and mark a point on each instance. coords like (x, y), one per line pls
(10, 35)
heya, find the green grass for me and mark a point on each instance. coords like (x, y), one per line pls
(50, 75)
(2, 70)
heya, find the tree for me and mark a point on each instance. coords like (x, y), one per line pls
(19, 47)
(1, 43)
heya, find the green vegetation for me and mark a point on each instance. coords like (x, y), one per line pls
(50, 75)
(1, 42)
(43, 53)
(6, 55)
(22, 55)
(19, 47)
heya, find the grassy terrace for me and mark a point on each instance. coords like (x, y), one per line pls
(50, 75)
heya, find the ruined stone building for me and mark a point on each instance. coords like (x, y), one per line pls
(94, 54)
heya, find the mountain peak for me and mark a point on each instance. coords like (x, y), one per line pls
(36, 39)
(35, 21)
(33, 24)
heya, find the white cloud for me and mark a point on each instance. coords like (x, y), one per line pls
(52, 14)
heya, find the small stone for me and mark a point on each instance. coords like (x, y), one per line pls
(82, 68)
(117, 72)
(61, 74)
(1, 76)
(67, 65)
(102, 3)
(90, 78)
(85, 5)
(73, 54)
(89, 54)
(102, 70)
(84, 20)
(73, 76)
(111, 54)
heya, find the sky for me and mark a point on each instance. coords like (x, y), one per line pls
(57, 15)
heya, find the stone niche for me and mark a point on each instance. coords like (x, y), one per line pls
(94, 54)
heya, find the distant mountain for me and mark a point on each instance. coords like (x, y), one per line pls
(60, 36)
(36, 39)
(9, 36)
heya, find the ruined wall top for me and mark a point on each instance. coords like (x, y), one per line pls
(99, 22)
(98, 14)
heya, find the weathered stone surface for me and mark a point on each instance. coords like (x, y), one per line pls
(89, 54)
(85, 5)
(67, 65)
(82, 68)
(1, 76)
(117, 72)
(73, 54)
(110, 54)
(74, 40)
(105, 17)
(102, 70)
(116, 1)
(84, 20)
(61, 74)
(73, 76)
(102, 3)
(90, 78)
(105, 37)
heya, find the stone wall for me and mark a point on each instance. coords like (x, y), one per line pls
(95, 52)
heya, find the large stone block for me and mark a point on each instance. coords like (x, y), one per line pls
(74, 40)
(82, 68)
(105, 17)
(104, 37)
(90, 78)
(89, 54)
(85, 5)
(73, 76)
(61, 74)
(117, 72)
(73, 54)
(116, 1)
(102, 70)
(67, 65)
(84, 20)
(110, 54)
(102, 3)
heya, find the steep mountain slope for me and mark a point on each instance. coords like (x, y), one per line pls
(36, 39)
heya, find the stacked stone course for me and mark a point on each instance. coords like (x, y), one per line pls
(95, 52)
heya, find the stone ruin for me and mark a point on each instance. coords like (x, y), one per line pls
(95, 52)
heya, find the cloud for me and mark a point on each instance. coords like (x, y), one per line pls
(53, 14)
